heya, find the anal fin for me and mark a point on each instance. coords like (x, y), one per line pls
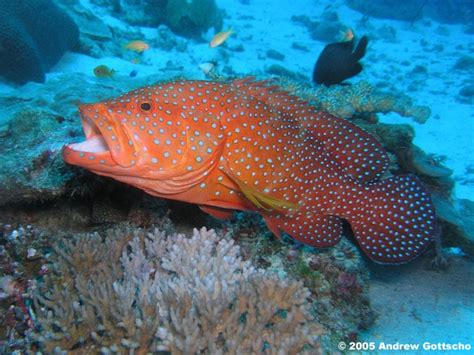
(309, 228)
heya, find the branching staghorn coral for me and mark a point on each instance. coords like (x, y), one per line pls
(146, 292)
(346, 101)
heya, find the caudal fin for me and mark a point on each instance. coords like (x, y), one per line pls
(396, 220)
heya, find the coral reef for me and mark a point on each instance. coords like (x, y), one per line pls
(144, 291)
(358, 99)
(98, 38)
(336, 277)
(34, 35)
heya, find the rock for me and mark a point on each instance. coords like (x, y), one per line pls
(467, 94)
(90, 25)
(457, 219)
(454, 11)
(424, 164)
(324, 31)
(395, 137)
(34, 35)
(464, 63)
(192, 18)
(32, 166)
(144, 13)
(167, 40)
(273, 54)
(185, 18)
(299, 46)
(405, 10)
(419, 69)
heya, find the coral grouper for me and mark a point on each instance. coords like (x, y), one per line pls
(248, 145)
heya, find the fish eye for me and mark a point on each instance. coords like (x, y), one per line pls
(145, 106)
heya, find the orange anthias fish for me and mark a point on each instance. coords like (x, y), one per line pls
(248, 145)
(220, 38)
(137, 46)
(347, 35)
(103, 71)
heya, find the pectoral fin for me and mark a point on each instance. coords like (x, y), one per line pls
(263, 200)
(217, 212)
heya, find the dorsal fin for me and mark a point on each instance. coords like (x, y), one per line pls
(359, 52)
(358, 154)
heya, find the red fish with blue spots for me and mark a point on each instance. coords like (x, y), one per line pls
(248, 145)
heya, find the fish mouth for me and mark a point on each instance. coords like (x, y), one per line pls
(95, 141)
(93, 150)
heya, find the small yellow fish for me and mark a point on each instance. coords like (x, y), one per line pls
(137, 46)
(347, 35)
(220, 38)
(103, 71)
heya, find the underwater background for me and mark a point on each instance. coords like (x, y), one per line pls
(92, 265)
